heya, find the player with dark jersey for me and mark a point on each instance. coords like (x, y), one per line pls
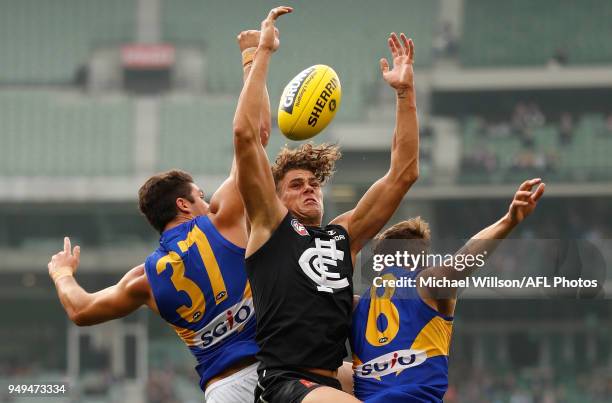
(195, 280)
(300, 271)
(401, 336)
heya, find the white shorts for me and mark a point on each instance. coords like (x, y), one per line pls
(238, 387)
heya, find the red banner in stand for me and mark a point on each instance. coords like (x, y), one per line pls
(147, 56)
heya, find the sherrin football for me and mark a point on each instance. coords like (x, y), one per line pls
(309, 102)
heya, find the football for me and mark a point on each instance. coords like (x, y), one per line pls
(309, 102)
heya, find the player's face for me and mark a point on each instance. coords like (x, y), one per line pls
(300, 191)
(199, 206)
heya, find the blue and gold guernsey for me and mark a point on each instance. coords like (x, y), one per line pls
(400, 344)
(200, 286)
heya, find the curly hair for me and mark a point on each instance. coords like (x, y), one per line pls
(318, 159)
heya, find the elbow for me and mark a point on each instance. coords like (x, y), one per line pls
(243, 133)
(412, 175)
(407, 176)
(79, 319)
(240, 131)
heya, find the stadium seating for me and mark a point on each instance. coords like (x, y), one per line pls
(526, 32)
(196, 134)
(48, 41)
(586, 156)
(47, 133)
(312, 35)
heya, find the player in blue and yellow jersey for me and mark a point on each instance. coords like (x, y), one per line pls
(401, 336)
(195, 280)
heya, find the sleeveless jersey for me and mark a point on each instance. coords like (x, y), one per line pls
(199, 283)
(303, 290)
(400, 344)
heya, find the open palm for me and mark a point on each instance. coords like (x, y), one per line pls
(401, 76)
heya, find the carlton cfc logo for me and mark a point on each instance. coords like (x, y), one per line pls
(316, 264)
(390, 363)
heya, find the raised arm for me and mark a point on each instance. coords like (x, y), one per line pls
(382, 199)
(85, 309)
(524, 202)
(255, 181)
(226, 205)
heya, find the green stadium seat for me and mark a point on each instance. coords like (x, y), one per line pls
(315, 34)
(47, 41)
(196, 134)
(526, 32)
(586, 157)
(47, 133)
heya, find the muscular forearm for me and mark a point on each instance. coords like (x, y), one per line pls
(265, 124)
(250, 104)
(496, 231)
(483, 243)
(73, 297)
(405, 149)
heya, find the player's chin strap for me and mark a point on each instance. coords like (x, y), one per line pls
(247, 56)
(60, 272)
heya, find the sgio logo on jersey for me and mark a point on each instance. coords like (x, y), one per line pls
(225, 324)
(390, 363)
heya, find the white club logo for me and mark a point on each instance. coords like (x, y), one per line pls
(315, 261)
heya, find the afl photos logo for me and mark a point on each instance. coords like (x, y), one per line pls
(315, 263)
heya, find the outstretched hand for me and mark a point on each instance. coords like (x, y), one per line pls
(64, 262)
(401, 76)
(525, 200)
(269, 39)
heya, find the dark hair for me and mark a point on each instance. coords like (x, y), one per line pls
(415, 231)
(157, 197)
(318, 159)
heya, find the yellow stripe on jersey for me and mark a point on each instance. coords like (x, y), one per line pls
(210, 261)
(434, 338)
(247, 291)
(195, 312)
(187, 335)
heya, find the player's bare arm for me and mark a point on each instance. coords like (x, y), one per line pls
(229, 216)
(523, 204)
(255, 181)
(382, 199)
(84, 308)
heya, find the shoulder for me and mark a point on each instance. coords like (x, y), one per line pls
(136, 281)
(151, 260)
(342, 220)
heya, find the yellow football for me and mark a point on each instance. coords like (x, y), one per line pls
(309, 102)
